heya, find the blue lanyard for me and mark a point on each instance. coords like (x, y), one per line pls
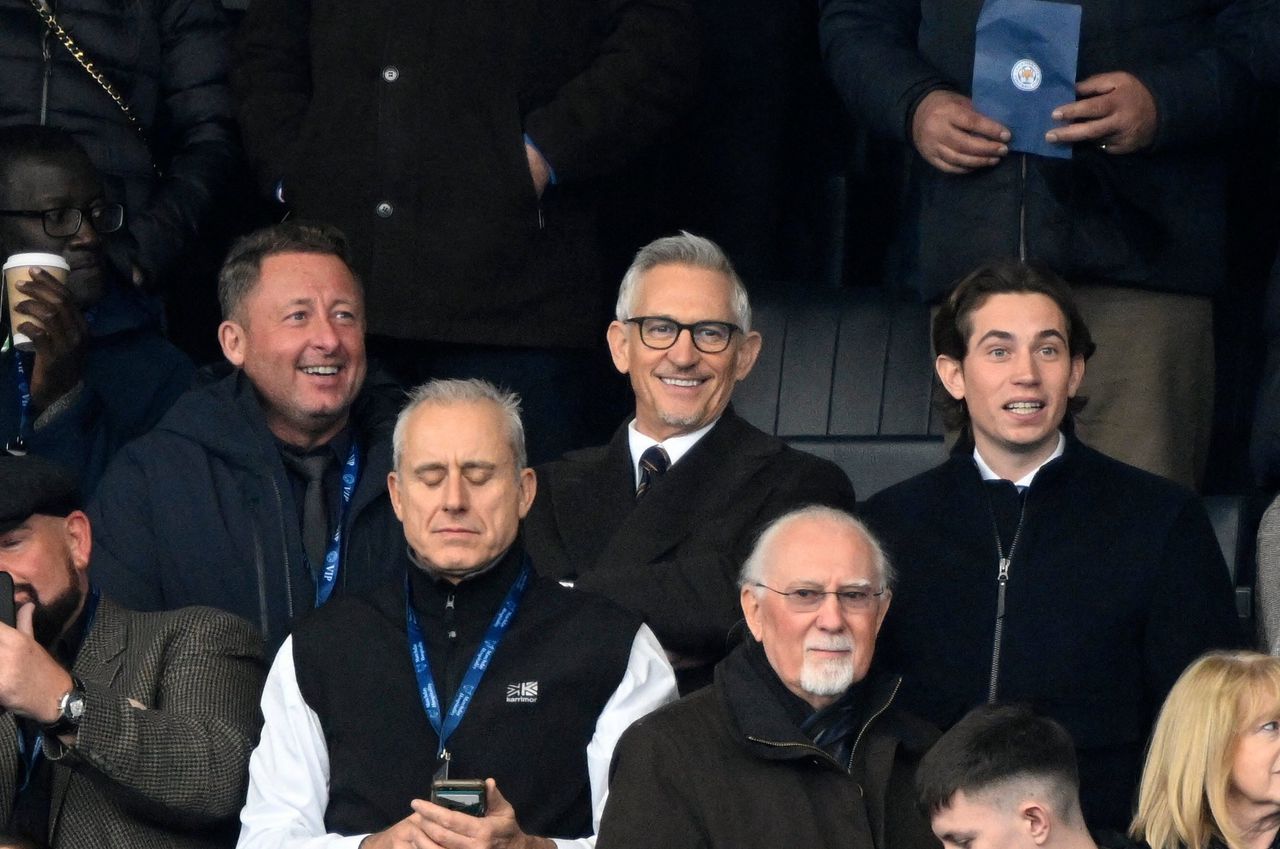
(30, 759)
(328, 579)
(445, 726)
(24, 399)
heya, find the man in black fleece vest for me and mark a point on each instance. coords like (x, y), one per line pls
(468, 666)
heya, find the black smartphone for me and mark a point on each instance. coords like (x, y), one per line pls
(465, 794)
(8, 612)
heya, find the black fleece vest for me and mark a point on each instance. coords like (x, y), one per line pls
(528, 725)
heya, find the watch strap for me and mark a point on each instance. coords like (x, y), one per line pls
(71, 707)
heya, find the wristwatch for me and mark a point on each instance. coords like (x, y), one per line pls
(70, 709)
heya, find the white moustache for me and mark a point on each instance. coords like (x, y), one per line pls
(832, 643)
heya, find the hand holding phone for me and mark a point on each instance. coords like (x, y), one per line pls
(8, 610)
(466, 795)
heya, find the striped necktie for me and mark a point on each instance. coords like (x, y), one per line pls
(654, 463)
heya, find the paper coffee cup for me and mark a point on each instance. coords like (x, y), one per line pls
(17, 269)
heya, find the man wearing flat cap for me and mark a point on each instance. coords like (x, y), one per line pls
(119, 729)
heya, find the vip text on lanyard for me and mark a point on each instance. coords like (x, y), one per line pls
(327, 579)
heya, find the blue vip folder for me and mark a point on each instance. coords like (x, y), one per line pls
(1024, 67)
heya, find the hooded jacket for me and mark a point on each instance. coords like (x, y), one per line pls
(200, 511)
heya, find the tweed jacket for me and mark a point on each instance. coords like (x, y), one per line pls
(172, 775)
(673, 557)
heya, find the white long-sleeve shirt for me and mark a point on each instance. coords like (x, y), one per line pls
(289, 770)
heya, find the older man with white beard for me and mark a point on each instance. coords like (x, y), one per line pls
(795, 744)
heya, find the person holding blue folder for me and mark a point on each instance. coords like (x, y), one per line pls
(1134, 218)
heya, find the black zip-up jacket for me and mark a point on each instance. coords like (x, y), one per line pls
(1115, 585)
(200, 511)
(1149, 220)
(729, 767)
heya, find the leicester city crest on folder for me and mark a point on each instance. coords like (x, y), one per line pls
(1024, 67)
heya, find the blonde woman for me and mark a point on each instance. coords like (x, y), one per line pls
(1212, 776)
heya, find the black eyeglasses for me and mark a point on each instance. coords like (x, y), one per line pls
(65, 221)
(806, 600)
(660, 333)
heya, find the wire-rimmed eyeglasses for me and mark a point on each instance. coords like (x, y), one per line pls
(807, 600)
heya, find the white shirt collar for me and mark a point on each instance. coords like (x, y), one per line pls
(1025, 481)
(676, 446)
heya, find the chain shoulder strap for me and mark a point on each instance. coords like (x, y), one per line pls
(77, 53)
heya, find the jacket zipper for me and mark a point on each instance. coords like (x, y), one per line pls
(867, 724)
(450, 622)
(1022, 211)
(284, 548)
(1002, 583)
(259, 562)
(793, 745)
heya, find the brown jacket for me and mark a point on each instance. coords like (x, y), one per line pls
(727, 768)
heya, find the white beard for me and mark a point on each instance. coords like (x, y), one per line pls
(829, 677)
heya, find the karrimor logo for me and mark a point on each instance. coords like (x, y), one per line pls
(1026, 75)
(525, 691)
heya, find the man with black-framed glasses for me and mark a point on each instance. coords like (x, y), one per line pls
(660, 519)
(101, 372)
(799, 742)
(63, 222)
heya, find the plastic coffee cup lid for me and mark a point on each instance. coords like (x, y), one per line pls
(48, 260)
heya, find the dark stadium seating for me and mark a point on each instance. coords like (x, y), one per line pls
(846, 374)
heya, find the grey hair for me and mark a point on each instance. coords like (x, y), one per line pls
(457, 391)
(753, 568)
(685, 249)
